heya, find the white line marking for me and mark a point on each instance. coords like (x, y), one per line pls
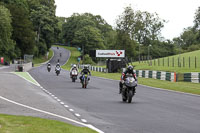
(58, 100)
(52, 95)
(62, 103)
(71, 110)
(66, 106)
(83, 120)
(52, 114)
(55, 97)
(78, 115)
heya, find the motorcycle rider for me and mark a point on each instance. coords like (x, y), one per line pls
(48, 66)
(57, 66)
(85, 71)
(73, 68)
(128, 71)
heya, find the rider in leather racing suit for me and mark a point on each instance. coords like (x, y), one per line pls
(73, 68)
(85, 71)
(128, 71)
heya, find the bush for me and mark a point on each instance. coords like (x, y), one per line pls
(193, 48)
(88, 60)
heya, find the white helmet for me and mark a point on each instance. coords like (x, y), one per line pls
(74, 65)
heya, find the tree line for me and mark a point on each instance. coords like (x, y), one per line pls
(27, 27)
(31, 27)
(135, 31)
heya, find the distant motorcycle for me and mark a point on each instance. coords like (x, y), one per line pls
(128, 89)
(49, 68)
(74, 74)
(58, 69)
(85, 80)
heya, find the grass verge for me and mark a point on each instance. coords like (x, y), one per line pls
(26, 76)
(38, 60)
(24, 124)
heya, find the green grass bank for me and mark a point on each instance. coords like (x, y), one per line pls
(24, 124)
(183, 63)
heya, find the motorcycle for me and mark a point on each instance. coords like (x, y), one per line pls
(58, 69)
(74, 75)
(85, 80)
(128, 89)
(49, 68)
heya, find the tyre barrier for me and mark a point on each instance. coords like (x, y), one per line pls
(193, 77)
(169, 76)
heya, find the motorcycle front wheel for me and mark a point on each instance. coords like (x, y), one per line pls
(130, 96)
(124, 97)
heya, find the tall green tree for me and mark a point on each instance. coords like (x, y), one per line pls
(45, 24)
(7, 45)
(78, 21)
(141, 27)
(23, 33)
(88, 38)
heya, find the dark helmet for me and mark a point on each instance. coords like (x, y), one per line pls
(85, 67)
(130, 69)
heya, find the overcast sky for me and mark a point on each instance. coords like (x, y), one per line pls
(178, 13)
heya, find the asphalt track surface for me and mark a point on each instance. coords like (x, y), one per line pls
(15, 88)
(152, 110)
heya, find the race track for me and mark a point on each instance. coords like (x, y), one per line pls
(152, 110)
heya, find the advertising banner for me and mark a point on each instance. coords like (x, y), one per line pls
(110, 53)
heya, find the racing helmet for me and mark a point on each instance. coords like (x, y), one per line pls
(85, 67)
(74, 65)
(130, 69)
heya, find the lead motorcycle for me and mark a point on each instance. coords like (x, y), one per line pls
(85, 80)
(74, 74)
(128, 89)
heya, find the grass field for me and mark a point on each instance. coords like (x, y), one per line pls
(23, 124)
(186, 63)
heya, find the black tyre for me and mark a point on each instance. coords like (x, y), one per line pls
(73, 79)
(130, 95)
(124, 97)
